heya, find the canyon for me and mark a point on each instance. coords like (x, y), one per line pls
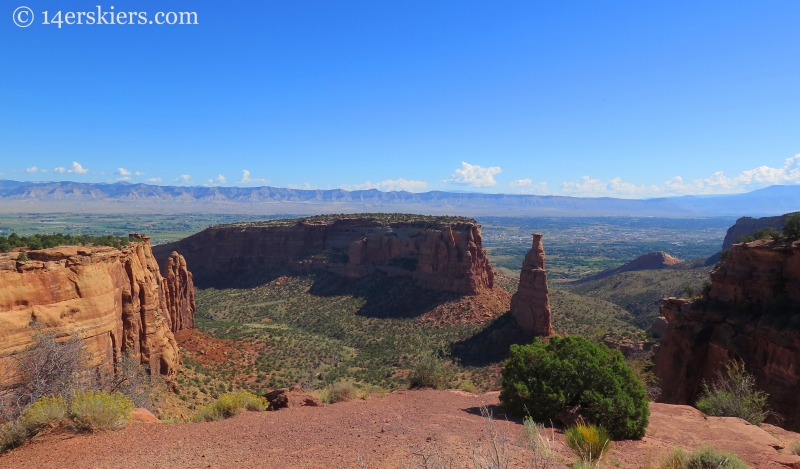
(751, 312)
(444, 254)
(115, 300)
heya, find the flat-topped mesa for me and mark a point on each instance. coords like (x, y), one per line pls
(530, 305)
(438, 253)
(115, 300)
(751, 312)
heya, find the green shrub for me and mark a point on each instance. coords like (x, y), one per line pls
(768, 232)
(340, 392)
(23, 256)
(703, 458)
(430, 371)
(708, 458)
(100, 410)
(542, 378)
(229, 405)
(734, 394)
(588, 442)
(792, 227)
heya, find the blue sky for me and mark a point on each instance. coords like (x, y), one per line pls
(630, 99)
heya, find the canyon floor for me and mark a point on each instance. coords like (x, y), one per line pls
(384, 432)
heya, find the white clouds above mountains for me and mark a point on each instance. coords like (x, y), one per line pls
(216, 182)
(389, 185)
(32, 169)
(183, 178)
(76, 168)
(474, 175)
(717, 183)
(247, 180)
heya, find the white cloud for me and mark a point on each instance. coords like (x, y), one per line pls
(305, 186)
(76, 168)
(138, 173)
(246, 179)
(215, 182)
(389, 185)
(32, 169)
(154, 180)
(123, 172)
(125, 178)
(716, 183)
(183, 178)
(474, 175)
(521, 183)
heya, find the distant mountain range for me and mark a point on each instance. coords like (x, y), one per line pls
(121, 197)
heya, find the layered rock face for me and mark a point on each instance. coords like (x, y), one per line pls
(438, 255)
(530, 305)
(750, 313)
(748, 225)
(115, 299)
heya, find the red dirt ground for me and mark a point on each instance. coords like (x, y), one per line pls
(383, 430)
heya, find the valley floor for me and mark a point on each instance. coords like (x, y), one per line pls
(385, 432)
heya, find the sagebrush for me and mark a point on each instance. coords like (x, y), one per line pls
(100, 410)
(734, 394)
(230, 405)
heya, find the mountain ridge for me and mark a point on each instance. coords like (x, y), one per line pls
(16, 196)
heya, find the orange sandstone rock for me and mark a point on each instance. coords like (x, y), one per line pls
(530, 305)
(115, 299)
(750, 313)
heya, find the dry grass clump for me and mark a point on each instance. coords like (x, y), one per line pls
(229, 405)
(794, 448)
(100, 410)
(339, 392)
(588, 442)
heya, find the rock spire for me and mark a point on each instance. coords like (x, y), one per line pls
(530, 305)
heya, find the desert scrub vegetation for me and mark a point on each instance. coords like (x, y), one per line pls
(794, 448)
(230, 405)
(43, 241)
(317, 329)
(588, 442)
(51, 382)
(100, 410)
(703, 458)
(542, 378)
(340, 391)
(431, 370)
(734, 394)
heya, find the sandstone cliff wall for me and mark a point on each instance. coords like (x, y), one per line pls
(748, 225)
(750, 313)
(116, 300)
(439, 256)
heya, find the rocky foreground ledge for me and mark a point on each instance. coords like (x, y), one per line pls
(384, 431)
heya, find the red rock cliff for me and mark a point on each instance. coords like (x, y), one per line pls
(115, 299)
(439, 255)
(751, 313)
(530, 305)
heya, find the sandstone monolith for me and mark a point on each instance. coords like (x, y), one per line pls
(530, 305)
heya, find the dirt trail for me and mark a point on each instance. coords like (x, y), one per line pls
(382, 430)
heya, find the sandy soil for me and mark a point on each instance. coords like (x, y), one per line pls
(383, 431)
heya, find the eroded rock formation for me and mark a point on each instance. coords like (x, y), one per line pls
(750, 313)
(115, 299)
(530, 305)
(439, 254)
(746, 226)
(650, 261)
